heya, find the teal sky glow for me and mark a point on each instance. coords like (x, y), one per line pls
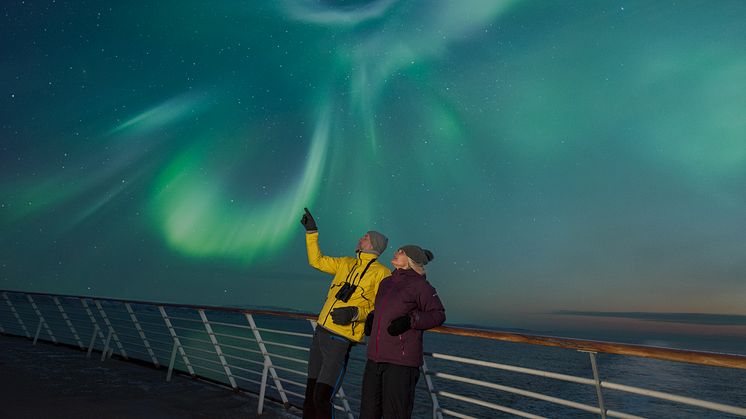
(583, 157)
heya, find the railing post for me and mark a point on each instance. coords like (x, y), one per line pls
(96, 327)
(597, 380)
(171, 362)
(346, 404)
(141, 332)
(15, 314)
(93, 340)
(437, 414)
(38, 330)
(41, 320)
(218, 351)
(177, 342)
(111, 329)
(106, 345)
(267, 360)
(67, 320)
(262, 388)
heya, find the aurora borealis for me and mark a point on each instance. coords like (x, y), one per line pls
(584, 156)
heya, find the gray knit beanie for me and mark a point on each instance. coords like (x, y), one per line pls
(418, 255)
(378, 241)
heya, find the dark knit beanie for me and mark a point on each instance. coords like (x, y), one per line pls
(418, 255)
(378, 241)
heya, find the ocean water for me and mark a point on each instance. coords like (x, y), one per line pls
(241, 352)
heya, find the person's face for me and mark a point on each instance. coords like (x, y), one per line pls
(400, 260)
(364, 243)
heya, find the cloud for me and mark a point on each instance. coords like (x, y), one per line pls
(685, 318)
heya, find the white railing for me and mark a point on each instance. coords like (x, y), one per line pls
(229, 347)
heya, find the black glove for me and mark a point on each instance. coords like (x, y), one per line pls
(400, 325)
(308, 222)
(344, 315)
(369, 324)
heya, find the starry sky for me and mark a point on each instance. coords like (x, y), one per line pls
(561, 159)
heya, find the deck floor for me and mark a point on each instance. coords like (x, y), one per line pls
(47, 380)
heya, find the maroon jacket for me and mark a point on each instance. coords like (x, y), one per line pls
(404, 292)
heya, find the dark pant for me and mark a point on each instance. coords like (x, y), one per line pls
(326, 368)
(388, 390)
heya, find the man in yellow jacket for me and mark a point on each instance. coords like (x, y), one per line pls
(341, 322)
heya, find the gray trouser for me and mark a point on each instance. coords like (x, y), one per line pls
(328, 359)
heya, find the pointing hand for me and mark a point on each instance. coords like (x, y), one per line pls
(308, 222)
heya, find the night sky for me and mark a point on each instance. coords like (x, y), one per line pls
(559, 158)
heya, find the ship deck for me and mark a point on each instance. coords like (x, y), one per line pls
(44, 378)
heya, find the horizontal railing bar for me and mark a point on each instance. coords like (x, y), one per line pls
(284, 345)
(245, 369)
(198, 349)
(200, 331)
(131, 342)
(149, 332)
(221, 373)
(489, 405)
(282, 332)
(675, 398)
(234, 337)
(54, 324)
(81, 318)
(289, 358)
(137, 338)
(454, 414)
(512, 368)
(239, 326)
(277, 367)
(192, 356)
(115, 316)
(358, 359)
(185, 319)
(243, 359)
(162, 342)
(238, 348)
(286, 391)
(145, 314)
(194, 339)
(285, 380)
(519, 391)
(24, 309)
(250, 380)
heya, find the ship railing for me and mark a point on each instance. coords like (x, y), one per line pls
(265, 352)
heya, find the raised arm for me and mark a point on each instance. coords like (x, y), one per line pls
(317, 259)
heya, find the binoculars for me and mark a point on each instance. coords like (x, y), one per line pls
(345, 292)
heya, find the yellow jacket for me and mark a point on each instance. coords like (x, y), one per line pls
(347, 269)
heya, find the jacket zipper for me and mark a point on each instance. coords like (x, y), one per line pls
(401, 341)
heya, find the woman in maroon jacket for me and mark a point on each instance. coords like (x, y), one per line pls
(405, 306)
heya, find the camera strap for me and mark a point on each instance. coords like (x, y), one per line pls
(360, 278)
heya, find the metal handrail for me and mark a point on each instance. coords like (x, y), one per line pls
(105, 316)
(642, 351)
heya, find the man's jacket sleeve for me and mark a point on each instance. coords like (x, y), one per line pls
(316, 259)
(430, 311)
